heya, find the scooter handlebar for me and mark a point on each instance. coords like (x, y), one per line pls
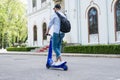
(48, 34)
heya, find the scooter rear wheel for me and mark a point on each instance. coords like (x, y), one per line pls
(65, 67)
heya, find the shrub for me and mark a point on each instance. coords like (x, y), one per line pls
(96, 49)
(20, 48)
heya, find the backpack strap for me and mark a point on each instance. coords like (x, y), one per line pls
(59, 18)
(59, 15)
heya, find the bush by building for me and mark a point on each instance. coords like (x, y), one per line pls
(94, 49)
(20, 48)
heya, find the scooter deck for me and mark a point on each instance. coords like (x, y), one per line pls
(62, 66)
(59, 65)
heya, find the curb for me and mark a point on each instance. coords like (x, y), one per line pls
(63, 54)
(92, 55)
(22, 53)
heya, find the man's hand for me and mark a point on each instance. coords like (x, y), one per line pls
(47, 32)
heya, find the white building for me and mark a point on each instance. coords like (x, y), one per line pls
(93, 21)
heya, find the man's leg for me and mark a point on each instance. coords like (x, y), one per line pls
(55, 46)
(61, 36)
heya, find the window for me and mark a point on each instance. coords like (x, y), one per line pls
(93, 21)
(35, 33)
(43, 1)
(44, 31)
(34, 3)
(117, 14)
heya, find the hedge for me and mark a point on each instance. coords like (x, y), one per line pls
(20, 48)
(96, 49)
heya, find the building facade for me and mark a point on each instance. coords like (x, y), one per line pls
(92, 21)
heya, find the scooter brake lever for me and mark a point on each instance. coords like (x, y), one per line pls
(48, 34)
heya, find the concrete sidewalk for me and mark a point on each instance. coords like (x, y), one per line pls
(4, 52)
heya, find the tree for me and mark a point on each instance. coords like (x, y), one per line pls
(13, 22)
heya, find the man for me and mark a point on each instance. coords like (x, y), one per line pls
(57, 35)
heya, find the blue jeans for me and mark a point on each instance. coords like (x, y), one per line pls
(57, 41)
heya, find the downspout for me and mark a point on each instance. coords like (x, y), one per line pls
(79, 22)
(107, 23)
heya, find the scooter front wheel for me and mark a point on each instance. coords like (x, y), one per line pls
(47, 66)
(65, 67)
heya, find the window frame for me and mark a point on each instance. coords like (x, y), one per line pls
(35, 33)
(44, 28)
(34, 3)
(115, 15)
(89, 24)
(42, 1)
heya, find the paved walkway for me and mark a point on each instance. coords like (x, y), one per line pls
(27, 67)
(4, 52)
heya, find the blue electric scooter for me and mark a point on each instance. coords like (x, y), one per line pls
(50, 64)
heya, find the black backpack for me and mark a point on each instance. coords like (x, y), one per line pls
(65, 25)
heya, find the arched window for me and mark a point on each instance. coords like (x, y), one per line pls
(117, 19)
(34, 3)
(35, 33)
(93, 35)
(44, 31)
(43, 1)
(93, 21)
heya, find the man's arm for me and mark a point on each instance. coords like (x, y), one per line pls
(50, 24)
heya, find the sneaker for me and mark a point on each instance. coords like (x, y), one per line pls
(58, 63)
(53, 63)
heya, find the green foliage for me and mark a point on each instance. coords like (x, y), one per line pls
(20, 48)
(12, 22)
(96, 49)
(63, 45)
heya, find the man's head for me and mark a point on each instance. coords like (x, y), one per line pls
(57, 7)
